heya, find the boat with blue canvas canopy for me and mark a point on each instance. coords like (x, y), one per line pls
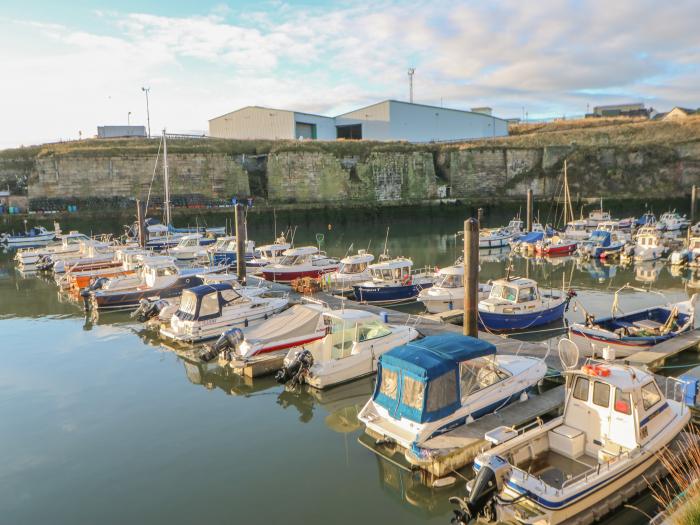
(429, 386)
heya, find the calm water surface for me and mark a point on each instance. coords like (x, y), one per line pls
(100, 424)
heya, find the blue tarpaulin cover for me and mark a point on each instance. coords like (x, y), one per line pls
(532, 237)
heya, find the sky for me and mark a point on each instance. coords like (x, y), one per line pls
(68, 67)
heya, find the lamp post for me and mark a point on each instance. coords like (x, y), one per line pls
(128, 119)
(148, 113)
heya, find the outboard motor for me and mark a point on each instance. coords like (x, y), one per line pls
(227, 342)
(482, 492)
(295, 371)
(45, 263)
(97, 284)
(148, 309)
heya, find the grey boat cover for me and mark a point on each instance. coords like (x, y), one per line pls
(297, 321)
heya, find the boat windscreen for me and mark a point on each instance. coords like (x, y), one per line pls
(502, 291)
(188, 303)
(449, 281)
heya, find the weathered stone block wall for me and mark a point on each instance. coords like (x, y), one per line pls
(323, 177)
(214, 175)
(15, 174)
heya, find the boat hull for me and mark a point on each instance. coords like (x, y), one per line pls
(561, 249)
(131, 298)
(388, 294)
(506, 322)
(288, 276)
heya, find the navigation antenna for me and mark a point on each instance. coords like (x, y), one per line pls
(411, 72)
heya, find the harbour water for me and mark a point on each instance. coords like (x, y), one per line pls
(103, 425)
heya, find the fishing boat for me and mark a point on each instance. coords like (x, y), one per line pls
(635, 331)
(672, 221)
(393, 281)
(577, 230)
(556, 246)
(601, 244)
(432, 385)
(577, 467)
(527, 242)
(355, 340)
(36, 236)
(448, 291)
(191, 246)
(516, 303)
(223, 251)
(159, 278)
(269, 253)
(353, 269)
(647, 219)
(649, 245)
(595, 217)
(687, 256)
(306, 261)
(207, 310)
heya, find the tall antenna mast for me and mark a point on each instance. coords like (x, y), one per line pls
(411, 71)
(166, 179)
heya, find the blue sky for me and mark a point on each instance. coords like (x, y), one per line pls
(71, 66)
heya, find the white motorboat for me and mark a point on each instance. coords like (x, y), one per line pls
(69, 243)
(353, 269)
(270, 253)
(432, 385)
(672, 221)
(579, 466)
(448, 291)
(689, 255)
(577, 230)
(306, 261)
(224, 251)
(90, 252)
(616, 229)
(207, 310)
(355, 340)
(393, 281)
(597, 216)
(649, 245)
(191, 247)
(36, 236)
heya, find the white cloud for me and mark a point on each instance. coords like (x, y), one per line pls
(547, 56)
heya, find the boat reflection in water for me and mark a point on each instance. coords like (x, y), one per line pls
(599, 271)
(212, 376)
(647, 272)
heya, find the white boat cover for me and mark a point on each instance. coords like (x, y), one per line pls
(298, 321)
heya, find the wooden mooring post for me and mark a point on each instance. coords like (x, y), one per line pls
(240, 244)
(529, 210)
(140, 220)
(471, 277)
(693, 201)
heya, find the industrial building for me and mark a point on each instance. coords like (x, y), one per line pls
(114, 132)
(388, 120)
(633, 109)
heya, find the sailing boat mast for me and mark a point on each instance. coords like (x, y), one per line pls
(166, 180)
(568, 207)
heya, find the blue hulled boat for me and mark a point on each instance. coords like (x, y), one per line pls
(392, 282)
(517, 304)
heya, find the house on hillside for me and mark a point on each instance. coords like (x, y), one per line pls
(679, 113)
(632, 109)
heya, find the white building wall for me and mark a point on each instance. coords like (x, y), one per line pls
(418, 123)
(254, 123)
(325, 126)
(375, 120)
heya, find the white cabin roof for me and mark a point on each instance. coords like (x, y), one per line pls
(358, 258)
(191, 236)
(352, 315)
(400, 262)
(518, 282)
(303, 250)
(274, 247)
(626, 378)
(456, 269)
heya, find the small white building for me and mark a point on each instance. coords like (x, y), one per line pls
(390, 120)
(114, 132)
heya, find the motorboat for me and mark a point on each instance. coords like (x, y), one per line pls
(672, 221)
(393, 281)
(224, 250)
(601, 244)
(432, 385)
(577, 230)
(91, 252)
(516, 303)
(68, 243)
(353, 269)
(595, 217)
(527, 242)
(191, 246)
(306, 261)
(647, 219)
(635, 331)
(556, 246)
(269, 253)
(159, 278)
(500, 237)
(616, 228)
(36, 236)
(448, 291)
(576, 468)
(687, 256)
(649, 245)
(160, 237)
(355, 340)
(207, 310)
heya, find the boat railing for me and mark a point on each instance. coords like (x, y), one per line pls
(600, 468)
(424, 271)
(413, 320)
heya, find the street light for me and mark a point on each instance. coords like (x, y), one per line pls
(128, 119)
(148, 113)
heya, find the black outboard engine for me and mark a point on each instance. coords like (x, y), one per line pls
(295, 371)
(45, 263)
(148, 309)
(227, 342)
(483, 491)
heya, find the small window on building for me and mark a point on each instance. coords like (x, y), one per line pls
(581, 389)
(601, 394)
(623, 404)
(650, 395)
(351, 132)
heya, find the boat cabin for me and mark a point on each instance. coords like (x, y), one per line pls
(599, 216)
(157, 271)
(345, 329)
(516, 225)
(515, 290)
(450, 277)
(229, 244)
(206, 301)
(394, 270)
(431, 378)
(355, 263)
(74, 238)
(648, 239)
(576, 226)
(190, 241)
(296, 256)
(271, 251)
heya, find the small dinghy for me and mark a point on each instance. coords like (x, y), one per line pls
(306, 261)
(448, 291)
(36, 236)
(432, 385)
(635, 331)
(579, 466)
(207, 310)
(393, 281)
(556, 246)
(516, 303)
(355, 340)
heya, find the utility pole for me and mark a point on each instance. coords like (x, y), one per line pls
(146, 90)
(471, 277)
(411, 71)
(529, 210)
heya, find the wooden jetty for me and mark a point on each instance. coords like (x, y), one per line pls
(655, 358)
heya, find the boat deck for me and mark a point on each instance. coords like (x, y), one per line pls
(554, 469)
